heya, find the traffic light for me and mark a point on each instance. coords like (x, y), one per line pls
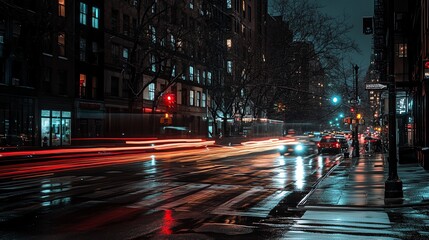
(170, 101)
(348, 120)
(335, 99)
(358, 116)
(352, 110)
(367, 25)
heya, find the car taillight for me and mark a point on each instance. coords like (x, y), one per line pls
(337, 145)
(318, 144)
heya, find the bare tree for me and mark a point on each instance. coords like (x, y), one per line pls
(314, 52)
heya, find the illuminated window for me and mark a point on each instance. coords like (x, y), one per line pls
(172, 42)
(61, 8)
(61, 44)
(203, 100)
(229, 66)
(197, 75)
(191, 4)
(152, 33)
(125, 53)
(154, 6)
(228, 43)
(209, 78)
(191, 73)
(153, 63)
(204, 78)
(83, 11)
(198, 99)
(152, 91)
(228, 4)
(401, 50)
(173, 71)
(179, 45)
(95, 17)
(191, 97)
(82, 85)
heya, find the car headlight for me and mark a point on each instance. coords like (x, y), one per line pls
(282, 148)
(299, 148)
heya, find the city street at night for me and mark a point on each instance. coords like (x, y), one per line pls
(214, 119)
(245, 191)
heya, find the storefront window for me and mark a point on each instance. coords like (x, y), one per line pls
(56, 128)
(46, 136)
(65, 130)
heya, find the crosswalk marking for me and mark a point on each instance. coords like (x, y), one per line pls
(262, 209)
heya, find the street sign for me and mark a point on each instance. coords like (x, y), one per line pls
(375, 86)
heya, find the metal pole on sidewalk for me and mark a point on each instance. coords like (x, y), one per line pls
(356, 134)
(393, 185)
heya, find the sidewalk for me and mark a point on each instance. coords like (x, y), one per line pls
(359, 183)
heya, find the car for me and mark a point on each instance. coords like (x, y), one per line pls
(297, 147)
(331, 144)
(344, 143)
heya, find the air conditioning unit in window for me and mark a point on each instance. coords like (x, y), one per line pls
(15, 81)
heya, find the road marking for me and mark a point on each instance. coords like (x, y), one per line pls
(262, 209)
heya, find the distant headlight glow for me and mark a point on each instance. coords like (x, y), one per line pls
(299, 148)
(282, 148)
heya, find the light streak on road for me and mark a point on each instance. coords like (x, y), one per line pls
(184, 144)
(32, 169)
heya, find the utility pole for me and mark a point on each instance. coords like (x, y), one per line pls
(355, 137)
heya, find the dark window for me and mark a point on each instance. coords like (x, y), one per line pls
(62, 82)
(126, 25)
(114, 89)
(115, 20)
(184, 96)
(61, 44)
(115, 53)
(82, 49)
(47, 43)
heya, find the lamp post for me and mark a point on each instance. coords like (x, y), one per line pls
(393, 185)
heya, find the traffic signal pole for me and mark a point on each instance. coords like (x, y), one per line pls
(355, 132)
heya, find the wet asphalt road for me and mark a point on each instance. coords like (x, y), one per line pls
(240, 192)
(217, 193)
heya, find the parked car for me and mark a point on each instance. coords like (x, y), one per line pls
(331, 144)
(298, 147)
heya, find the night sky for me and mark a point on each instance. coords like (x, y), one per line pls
(354, 10)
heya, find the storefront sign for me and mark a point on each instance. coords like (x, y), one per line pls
(89, 106)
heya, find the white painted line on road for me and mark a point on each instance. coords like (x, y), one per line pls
(166, 195)
(261, 210)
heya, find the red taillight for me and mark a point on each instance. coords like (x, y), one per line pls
(318, 144)
(337, 145)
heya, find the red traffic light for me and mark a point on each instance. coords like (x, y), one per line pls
(170, 101)
(352, 110)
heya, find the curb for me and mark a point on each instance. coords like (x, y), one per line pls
(316, 184)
